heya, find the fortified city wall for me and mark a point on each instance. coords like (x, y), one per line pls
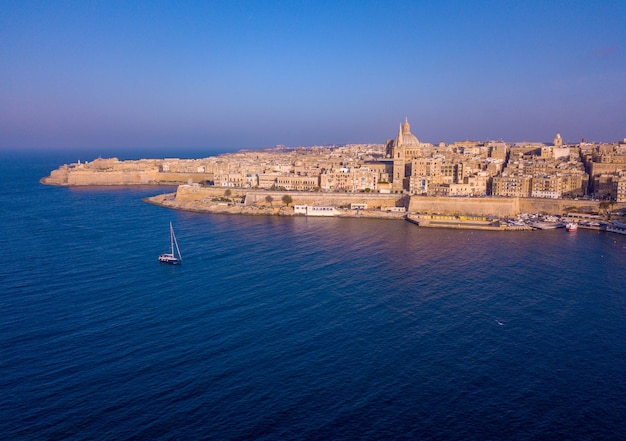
(81, 178)
(86, 177)
(147, 172)
(190, 193)
(559, 206)
(485, 206)
(503, 207)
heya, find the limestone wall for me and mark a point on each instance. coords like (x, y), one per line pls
(187, 193)
(80, 177)
(86, 176)
(373, 200)
(557, 206)
(57, 177)
(488, 206)
(504, 207)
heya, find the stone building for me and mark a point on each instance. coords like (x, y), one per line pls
(300, 183)
(619, 187)
(404, 148)
(511, 185)
(349, 179)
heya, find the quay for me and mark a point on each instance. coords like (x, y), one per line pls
(490, 214)
(457, 222)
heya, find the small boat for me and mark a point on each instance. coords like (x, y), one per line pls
(571, 226)
(616, 227)
(172, 258)
(546, 225)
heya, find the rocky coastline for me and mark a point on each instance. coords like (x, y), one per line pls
(483, 213)
(170, 201)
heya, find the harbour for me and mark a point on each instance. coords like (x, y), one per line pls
(298, 327)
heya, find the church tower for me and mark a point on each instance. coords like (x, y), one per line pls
(404, 148)
(558, 141)
(399, 160)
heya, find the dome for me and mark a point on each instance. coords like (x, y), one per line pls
(409, 139)
(405, 137)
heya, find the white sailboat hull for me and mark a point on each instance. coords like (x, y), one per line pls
(169, 258)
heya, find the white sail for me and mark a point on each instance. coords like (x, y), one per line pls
(174, 257)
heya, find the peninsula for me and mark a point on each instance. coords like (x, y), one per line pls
(404, 175)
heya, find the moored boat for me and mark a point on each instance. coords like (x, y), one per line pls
(616, 227)
(571, 226)
(546, 225)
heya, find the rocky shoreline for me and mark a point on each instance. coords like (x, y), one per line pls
(217, 206)
(168, 200)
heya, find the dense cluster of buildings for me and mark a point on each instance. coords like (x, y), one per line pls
(401, 165)
(404, 164)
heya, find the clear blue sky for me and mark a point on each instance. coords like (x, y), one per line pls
(226, 75)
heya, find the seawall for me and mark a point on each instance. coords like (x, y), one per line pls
(199, 197)
(110, 172)
(502, 207)
(262, 198)
(259, 202)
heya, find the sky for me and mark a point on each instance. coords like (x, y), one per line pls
(230, 75)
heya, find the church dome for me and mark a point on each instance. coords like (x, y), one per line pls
(405, 137)
(410, 139)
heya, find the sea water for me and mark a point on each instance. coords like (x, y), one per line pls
(297, 328)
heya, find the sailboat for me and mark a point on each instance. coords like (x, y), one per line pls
(172, 258)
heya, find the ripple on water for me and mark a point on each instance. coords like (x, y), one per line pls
(301, 328)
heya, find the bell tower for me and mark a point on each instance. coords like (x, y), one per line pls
(399, 158)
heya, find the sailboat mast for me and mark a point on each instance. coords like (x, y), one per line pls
(174, 242)
(180, 256)
(172, 238)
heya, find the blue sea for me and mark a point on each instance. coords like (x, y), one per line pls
(297, 328)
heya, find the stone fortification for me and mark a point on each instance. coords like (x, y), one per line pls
(81, 178)
(254, 202)
(114, 172)
(560, 206)
(250, 201)
(503, 207)
(72, 177)
(262, 198)
(374, 201)
(190, 193)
